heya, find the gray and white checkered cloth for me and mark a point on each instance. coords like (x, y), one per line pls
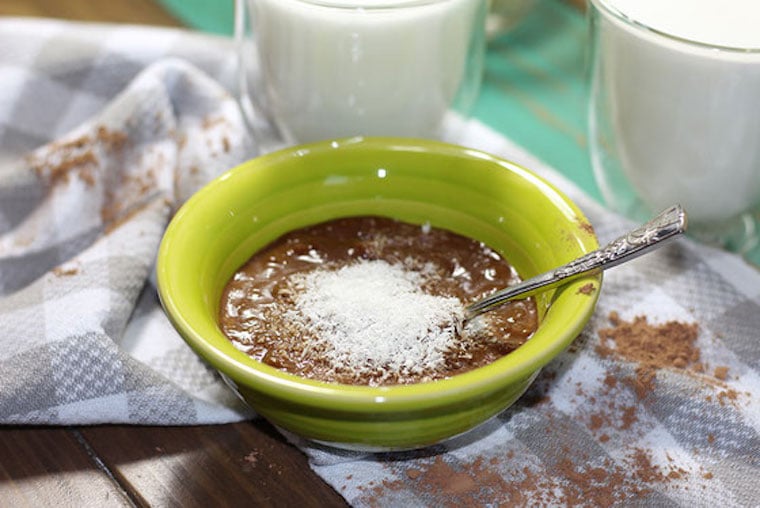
(105, 130)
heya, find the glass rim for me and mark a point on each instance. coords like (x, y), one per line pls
(376, 5)
(604, 5)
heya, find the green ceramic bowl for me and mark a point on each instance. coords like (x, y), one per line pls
(466, 191)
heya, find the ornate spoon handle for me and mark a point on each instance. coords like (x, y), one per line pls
(668, 224)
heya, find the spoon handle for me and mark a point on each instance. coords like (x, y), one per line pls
(668, 224)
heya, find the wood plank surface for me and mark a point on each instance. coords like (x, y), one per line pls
(242, 464)
(245, 463)
(51, 467)
(147, 12)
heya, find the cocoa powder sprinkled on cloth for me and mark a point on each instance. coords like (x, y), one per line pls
(575, 479)
(727, 397)
(65, 271)
(76, 157)
(413, 474)
(572, 481)
(721, 373)
(71, 160)
(112, 139)
(651, 347)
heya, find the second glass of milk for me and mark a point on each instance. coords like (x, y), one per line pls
(323, 69)
(674, 115)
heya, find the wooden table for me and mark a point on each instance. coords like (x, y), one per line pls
(243, 464)
(147, 12)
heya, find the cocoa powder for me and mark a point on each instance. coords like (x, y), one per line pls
(651, 347)
(65, 271)
(497, 482)
(76, 157)
(573, 480)
(721, 372)
(586, 226)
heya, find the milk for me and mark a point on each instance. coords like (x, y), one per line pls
(388, 68)
(725, 23)
(677, 105)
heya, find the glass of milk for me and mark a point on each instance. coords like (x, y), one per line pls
(323, 69)
(674, 112)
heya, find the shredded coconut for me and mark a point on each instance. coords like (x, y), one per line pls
(373, 315)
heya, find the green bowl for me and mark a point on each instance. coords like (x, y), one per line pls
(469, 192)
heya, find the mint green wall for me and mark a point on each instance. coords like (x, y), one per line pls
(535, 89)
(215, 16)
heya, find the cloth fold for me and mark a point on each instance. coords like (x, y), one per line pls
(106, 130)
(83, 336)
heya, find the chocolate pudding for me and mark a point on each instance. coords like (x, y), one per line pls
(373, 301)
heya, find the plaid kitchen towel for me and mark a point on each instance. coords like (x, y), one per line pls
(102, 137)
(106, 130)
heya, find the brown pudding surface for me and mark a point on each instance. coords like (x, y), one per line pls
(372, 301)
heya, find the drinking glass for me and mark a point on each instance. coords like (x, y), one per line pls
(321, 69)
(675, 118)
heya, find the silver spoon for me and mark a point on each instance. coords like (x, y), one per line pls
(665, 226)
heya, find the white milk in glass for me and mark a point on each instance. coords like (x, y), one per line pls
(676, 86)
(386, 68)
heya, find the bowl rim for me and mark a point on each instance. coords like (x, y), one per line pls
(243, 371)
